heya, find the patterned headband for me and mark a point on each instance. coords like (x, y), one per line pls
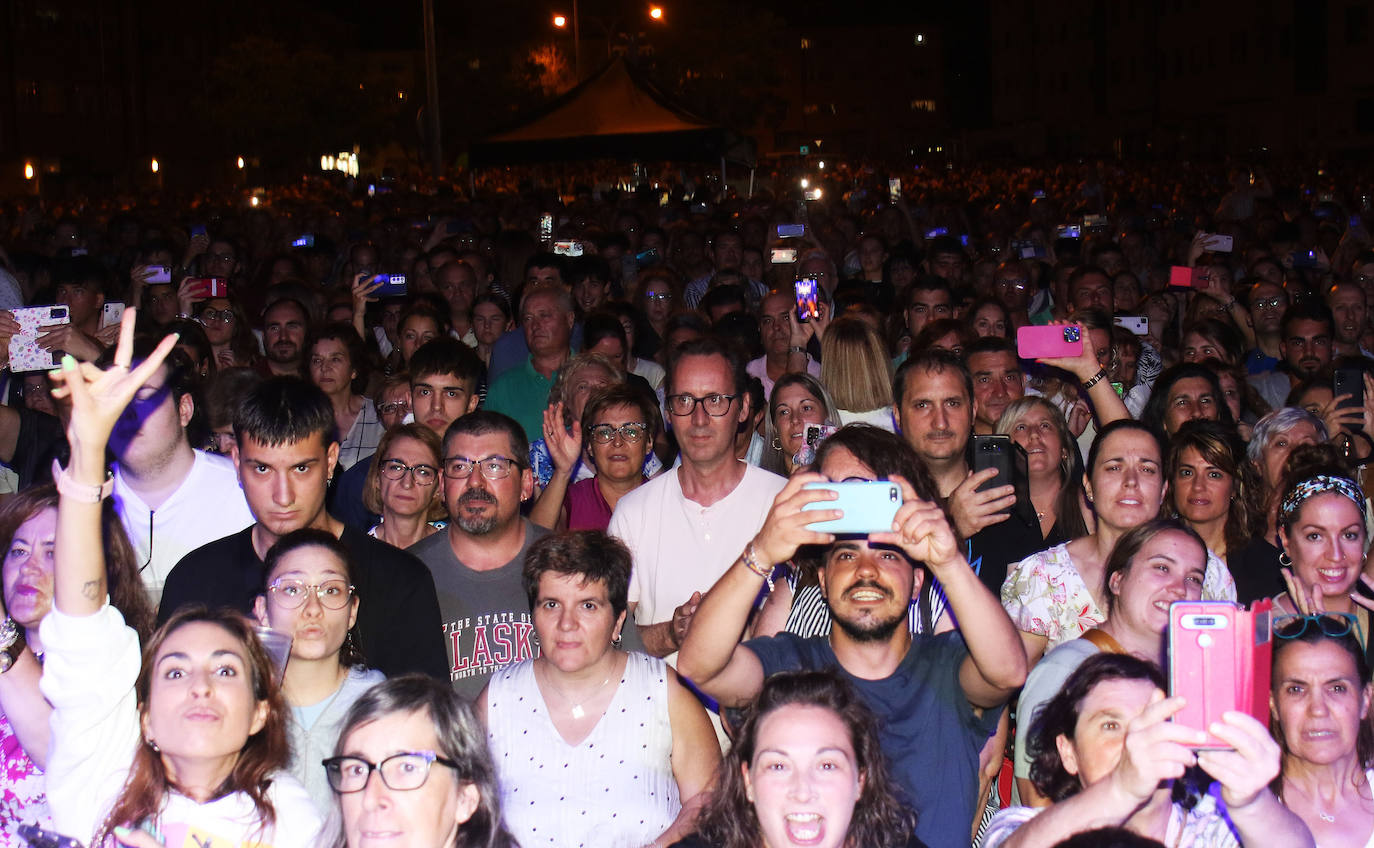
(1315, 486)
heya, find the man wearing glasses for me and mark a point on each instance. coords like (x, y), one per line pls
(686, 527)
(1267, 304)
(477, 563)
(286, 450)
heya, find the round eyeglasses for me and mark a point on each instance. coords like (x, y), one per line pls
(684, 405)
(423, 475)
(292, 593)
(631, 434)
(219, 316)
(492, 468)
(400, 772)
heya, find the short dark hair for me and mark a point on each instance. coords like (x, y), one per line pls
(927, 282)
(936, 360)
(1157, 406)
(1116, 426)
(285, 410)
(1306, 309)
(545, 259)
(622, 394)
(601, 325)
(722, 296)
(444, 355)
(483, 422)
(990, 344)
(580, 268)
(711, 346)
(1059, 717)
(310, 537)
(945, 244)
(81, 270)
(590, 554)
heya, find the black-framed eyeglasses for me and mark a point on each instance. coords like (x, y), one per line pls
(715, 405)
(492, 467)
(631, 434)
(1331, 624)
(400, 772)
(292, 593)
(422, 474)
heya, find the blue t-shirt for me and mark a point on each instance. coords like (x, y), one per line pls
(929, 730)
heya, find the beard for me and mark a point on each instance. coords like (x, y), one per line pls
(869, 629)
(475, 525)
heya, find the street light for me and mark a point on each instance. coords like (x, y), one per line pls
(656, 12)
(239, 162)
(28, 170)
(560, 21)
(155, 166)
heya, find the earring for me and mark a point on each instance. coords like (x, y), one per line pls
(1285, 561)
(153, 745)
(615, 641)
(777, 443)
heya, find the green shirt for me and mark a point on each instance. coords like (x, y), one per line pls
(522, 393)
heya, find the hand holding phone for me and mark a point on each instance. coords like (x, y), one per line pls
(807, 291)
(869, 506)
(1219, 662)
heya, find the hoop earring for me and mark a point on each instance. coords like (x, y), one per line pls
(619, 637)
(777, 443)
(1285, 561)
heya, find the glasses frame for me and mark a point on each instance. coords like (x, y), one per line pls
(275, 590)
(700, 401)
(511, 464)
(1349, 623)
(604, 434)
(333, 770)
(408, 470)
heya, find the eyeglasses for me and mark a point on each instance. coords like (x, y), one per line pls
(291, 593)
(400, 772)
(1021, 284)
(394, 407)
(424, 475)
(684, 405)
(220, 315)
(1332, 624)
(653, 295)
(629, 433)
(1270, 302)
(493, 467)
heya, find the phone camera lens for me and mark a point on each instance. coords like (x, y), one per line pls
(1071, 334)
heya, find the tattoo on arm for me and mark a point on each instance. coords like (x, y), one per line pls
(92, 589)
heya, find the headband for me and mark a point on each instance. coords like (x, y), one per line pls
(1316, 486)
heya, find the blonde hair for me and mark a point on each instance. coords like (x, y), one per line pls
(855, 367)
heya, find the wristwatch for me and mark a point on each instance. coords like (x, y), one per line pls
(11, 644)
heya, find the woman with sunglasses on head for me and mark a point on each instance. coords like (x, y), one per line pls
(1322, 535)
(402, 486)
(593, 745)
(1054, 467)
(186, 742)
(1319, 698)
(309, 596)
(797, 400)
(411, 768)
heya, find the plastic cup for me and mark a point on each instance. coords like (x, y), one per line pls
(278, 647)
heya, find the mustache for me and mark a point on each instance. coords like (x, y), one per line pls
(476, 496)
(867, 584)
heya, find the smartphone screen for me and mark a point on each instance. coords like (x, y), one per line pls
(807, 291)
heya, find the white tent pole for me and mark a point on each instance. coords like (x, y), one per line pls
(751, 182)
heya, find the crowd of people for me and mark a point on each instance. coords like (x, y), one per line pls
(519, 500)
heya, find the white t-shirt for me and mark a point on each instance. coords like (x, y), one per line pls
(679, 546)
(208, 505)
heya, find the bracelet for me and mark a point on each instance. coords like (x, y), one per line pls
(796, 349)
(751, 562)
(81, 492)
(1230, 304)
(1095, 379)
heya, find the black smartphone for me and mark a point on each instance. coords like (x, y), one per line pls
(1349, 381)
(1009, 458)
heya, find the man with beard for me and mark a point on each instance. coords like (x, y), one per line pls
(1305, 337)
(284, 325)
(1347, 304)
(477, 562)
(938, 697)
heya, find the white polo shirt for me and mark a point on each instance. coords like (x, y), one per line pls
(208, 505)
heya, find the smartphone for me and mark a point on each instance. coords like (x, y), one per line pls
(111, 313)
(567, 248)
(1027, 249)
(1349, 381)
(306, 240)
(1038, 194)
(1183, 278)
(1138, 324)
(393, 285)
(1205, 654)
(936, 232)
(1068, 231)
(37, 837)
(812, 437)
(1009, 458)
(791, 230)
(211, 286)
(811, 194)
(1218, 243)
(1037, 342)
(546, 228)
(869, 506)
(784, 255)
(198, 230)
(1305, 259)
(25, 354)
(807, 290)
(159, 274)
(1094, 222)
(894, 189)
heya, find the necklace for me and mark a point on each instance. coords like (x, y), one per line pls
(577, 711)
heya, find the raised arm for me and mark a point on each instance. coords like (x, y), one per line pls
(711, 655)
(98, 399)
(996, 664)
(1107, 404)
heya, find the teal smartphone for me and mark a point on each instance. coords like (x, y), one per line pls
(868, 506)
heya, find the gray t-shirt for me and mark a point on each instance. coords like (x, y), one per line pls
(1043, 683)
(486, 616)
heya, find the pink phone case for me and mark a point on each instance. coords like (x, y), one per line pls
(1183, 277)
(1035, 342)
(1206, 656)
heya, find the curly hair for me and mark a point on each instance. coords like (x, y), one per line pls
(265, 752)
(881, 819)
(1059, 717)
